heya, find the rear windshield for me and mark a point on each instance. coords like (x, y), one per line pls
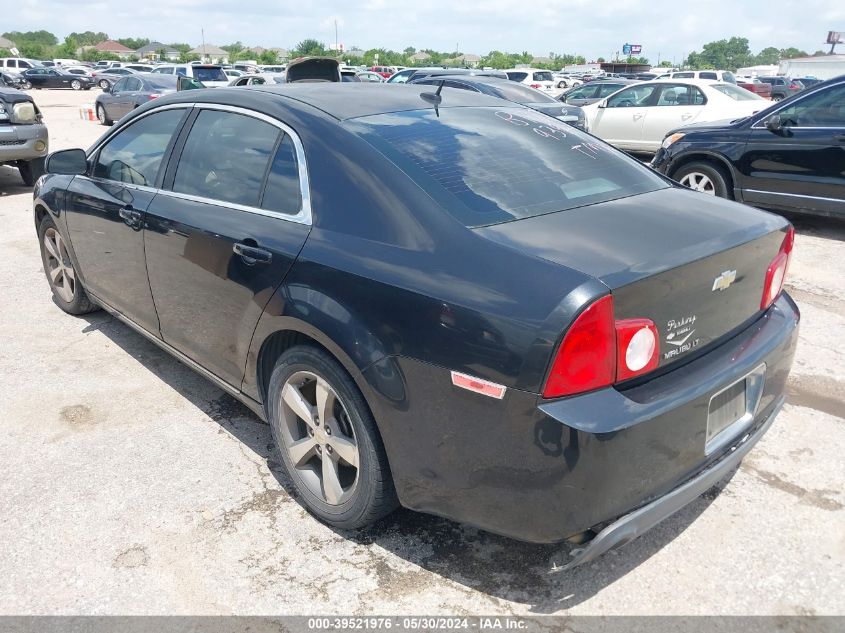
(736, 92)
(543, 76)
(209, 74)
(163, 82)
(493, 165)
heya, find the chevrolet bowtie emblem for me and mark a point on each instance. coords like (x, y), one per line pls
(723, 281)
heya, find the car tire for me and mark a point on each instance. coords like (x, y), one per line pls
(103, 83)
(705, 177)
(67, 289)
(25, 85)
(31, 170)
(317, 470)
(777, 98)
(76, 84)
(101, 115)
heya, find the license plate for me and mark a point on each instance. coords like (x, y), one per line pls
(726, 408)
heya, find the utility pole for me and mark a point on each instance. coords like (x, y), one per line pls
(203, 44)
(335, 35)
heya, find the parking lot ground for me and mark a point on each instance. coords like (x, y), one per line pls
(131, 485)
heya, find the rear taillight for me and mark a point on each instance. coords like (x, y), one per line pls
(597, 351)
(538, 86)
(794, 86)
(153, 96)
(776, 272)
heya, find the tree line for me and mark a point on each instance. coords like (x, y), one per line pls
(726, 54)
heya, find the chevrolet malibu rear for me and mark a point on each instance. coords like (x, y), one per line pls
(527, 331)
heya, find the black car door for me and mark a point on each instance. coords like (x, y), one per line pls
(105, 212)
(800, 165)
(55, 79)
(37, 77)
(222, 236)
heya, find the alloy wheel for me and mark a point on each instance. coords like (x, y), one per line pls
(104, 84)
(75, 84)
(59, 267)
(319, 437)
(101, 114)
(697, 181)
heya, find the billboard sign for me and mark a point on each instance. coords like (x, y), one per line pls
(632, 49)
(834, 37)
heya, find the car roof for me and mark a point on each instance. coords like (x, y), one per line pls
(352, 100)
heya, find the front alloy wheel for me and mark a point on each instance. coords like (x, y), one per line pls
(76, 84)
(59, 268)
(103, 83)
(698, 182)
(319, 438)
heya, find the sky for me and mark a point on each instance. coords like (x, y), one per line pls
(593, 28)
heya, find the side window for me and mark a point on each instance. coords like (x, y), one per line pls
(635, 96)
(282, 192)
(120, 86)
(681, 96)
(134, 154)
(182, 71)
(133, 84)
(821, 109)
(683, 75)
(455, 84)
(707, 75)
(605, 90)
(225, 157)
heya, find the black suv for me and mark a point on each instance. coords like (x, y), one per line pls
(782, 87)
(788, 157)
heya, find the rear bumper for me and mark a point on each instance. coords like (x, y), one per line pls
(633, 524)
(542, 471)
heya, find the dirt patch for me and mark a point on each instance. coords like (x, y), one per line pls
(135, 556)
(77, 415)
(817, 498)
(821, 393)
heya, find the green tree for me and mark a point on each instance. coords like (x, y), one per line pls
(182, 48)
(410, 51)
(792, 52)
(68, 48)
(34, 44)
(132, 42)
(89, 38)
(665, 64)
(722, 54)
(769, 55)
(309, 47)
(268, 58)
(600, 60)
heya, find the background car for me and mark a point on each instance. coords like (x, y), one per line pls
(637, 118)
(510, 91)
(724, 76)
(757, 87)
(401, 76)
(107, 76)
(534, 78)
(23, 135)
(130, 92)
(369, 76)
(782, 87)
(384, 71)
(255, 79)
(19, 64)
(789, 157)
(232, 73)
(594, 91)
(57, 78)
(11, 80)
(565, 81)
(211, 75)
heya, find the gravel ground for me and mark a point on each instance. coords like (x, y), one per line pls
(131, 485)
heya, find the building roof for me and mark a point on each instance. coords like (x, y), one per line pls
(4, 43)
(420, 56)
(155, 47)
(209, 49)
(110, 46)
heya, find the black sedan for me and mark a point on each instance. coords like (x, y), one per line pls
(56, 78)
(130, 92)
(789, 157)
(458, 304)
(9, 80)
(510, 91)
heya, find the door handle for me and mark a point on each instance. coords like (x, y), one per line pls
(131, 216)
(686, 116)
(637, 117)
(252, 254)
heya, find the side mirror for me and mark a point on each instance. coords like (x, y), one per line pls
(774, 123)
(108, 88)
(68, 162)
(603, 103)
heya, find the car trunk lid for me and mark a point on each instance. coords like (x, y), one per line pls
(691, 263)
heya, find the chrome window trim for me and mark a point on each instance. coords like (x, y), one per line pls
(303, 217)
